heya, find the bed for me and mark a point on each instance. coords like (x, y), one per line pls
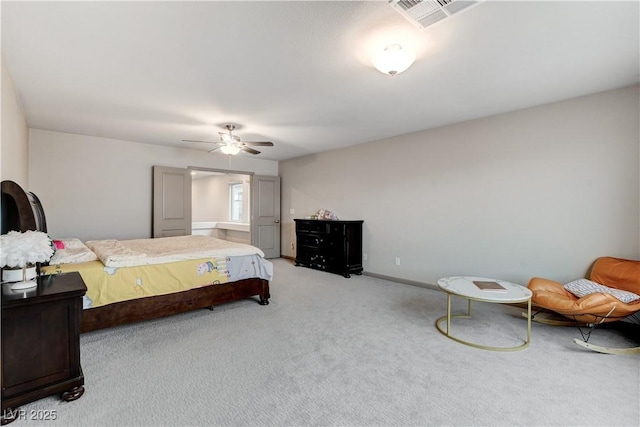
(161, 288)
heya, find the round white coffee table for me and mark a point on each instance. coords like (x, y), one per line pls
(464, 286)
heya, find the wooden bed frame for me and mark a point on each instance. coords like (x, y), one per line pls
(23, 211)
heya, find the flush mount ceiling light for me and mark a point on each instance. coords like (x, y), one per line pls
(393, 60)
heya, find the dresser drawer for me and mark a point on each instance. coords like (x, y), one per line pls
(312, 257)
(311, 226)
(311, 240)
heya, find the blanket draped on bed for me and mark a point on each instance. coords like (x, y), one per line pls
(128, 253)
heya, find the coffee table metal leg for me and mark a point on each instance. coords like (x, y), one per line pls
(448, 314)
(468, 316)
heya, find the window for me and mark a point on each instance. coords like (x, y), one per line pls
(235, 202)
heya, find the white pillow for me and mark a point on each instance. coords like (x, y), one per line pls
(582, 287)
(74, 251)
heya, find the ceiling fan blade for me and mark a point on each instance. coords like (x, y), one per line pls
(249, 150)
(259, 143)
(213, 149)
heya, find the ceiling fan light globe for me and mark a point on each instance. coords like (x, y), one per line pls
(230, 149)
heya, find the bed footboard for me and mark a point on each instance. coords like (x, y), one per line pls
(164, 305)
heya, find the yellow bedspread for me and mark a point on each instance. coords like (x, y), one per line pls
(106, 285)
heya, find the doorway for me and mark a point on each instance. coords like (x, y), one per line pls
(221, 204)
(237, 206)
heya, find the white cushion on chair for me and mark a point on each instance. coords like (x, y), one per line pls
(582, 287)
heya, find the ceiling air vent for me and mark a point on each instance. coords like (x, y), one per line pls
(424, 13)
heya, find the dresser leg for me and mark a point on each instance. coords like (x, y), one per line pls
(73, 394)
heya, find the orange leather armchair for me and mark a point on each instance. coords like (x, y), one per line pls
(598, 307)
(595, 308)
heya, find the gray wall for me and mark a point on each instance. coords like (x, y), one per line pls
(541, 191)
(98, 188)
(14, 147)
(210, 197)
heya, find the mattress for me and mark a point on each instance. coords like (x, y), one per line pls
(106, 285)
(133, 269)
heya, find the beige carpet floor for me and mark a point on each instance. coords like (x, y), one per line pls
(348, 352)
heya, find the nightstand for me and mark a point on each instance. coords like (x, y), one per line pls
(41, 342)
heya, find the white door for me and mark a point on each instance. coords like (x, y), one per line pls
(171, 201)
(265, 214)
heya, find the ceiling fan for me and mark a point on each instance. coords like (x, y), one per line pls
(232, 144)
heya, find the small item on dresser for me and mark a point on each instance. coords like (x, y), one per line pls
(326, 215)
(489, 286)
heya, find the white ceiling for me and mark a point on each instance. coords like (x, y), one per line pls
(299, 73)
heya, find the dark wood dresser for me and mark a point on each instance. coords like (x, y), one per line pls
(41, 342)
(334, 246)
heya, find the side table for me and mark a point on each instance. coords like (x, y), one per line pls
(41, 342)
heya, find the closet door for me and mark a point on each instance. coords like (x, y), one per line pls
(171, 201)
(265, 214)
